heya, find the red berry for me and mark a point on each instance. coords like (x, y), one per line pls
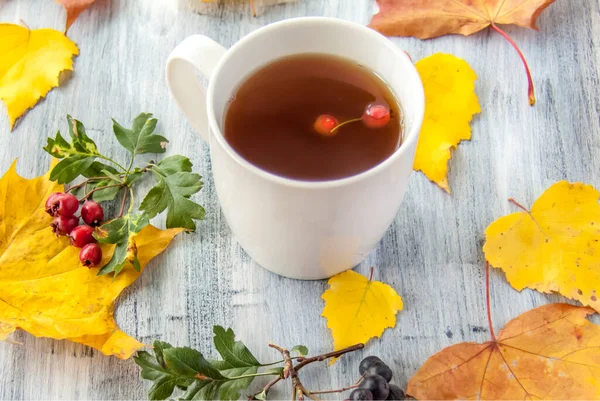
(376, 115)
(81, 236)
(92, 213)
(324, 124)
(50, 202)
(90, 255)
(62, 204)
(62, 225)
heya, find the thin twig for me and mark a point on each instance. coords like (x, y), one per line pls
(99, 189)
(123, 204)
(333, 354)
(488, 302)
(339, 390)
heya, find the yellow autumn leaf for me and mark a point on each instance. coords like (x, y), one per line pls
(30, 65)
(358, 309)
(44, 289)
(450, 104)
(554, 247)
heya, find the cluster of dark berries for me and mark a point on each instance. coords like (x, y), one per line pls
(375, 383)
(63, 206)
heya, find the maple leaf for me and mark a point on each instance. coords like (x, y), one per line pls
(555, 246)
(30, 65)
(44, 289)
(550, 352)
(73, 9)
(450, 103)
(358, 309)
(427, 19)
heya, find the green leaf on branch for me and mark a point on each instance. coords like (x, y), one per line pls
(95, 170)
(122, 232)
(70, 168)
(302, 350)
(77, 156)
(200, 378)
(172, 192)
(140, 138)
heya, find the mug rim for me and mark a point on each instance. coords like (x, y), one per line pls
(409, 138)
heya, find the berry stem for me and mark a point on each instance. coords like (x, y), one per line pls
(253, 8)
(84, 183)
(122, 209)
(112, 161)
(488, 302)
(339, 390)
(517, 204)
(531, 90)
(99, 189)
(371, 273)
(344, 123)
(130, 200)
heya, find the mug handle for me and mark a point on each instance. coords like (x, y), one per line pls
(195, 53)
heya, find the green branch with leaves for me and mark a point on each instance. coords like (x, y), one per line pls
(105, 179)
(199, 378)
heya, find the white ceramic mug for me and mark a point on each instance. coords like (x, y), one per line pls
(299, 229)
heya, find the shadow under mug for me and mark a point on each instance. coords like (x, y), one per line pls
(298, 229)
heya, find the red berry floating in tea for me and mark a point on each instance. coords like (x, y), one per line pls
(81, 236)
(376, 115)
(62, 225)
(92, 213)
(324, 125)
(90, 255)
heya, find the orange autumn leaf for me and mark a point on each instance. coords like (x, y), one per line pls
(427, 19)
(555, 246)
(551, 352)
(44, 289)
(73, 9)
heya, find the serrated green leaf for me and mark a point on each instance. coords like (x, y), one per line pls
(121, 231)
(188, 362)
(69, 168)
(114, 177)
(79, 139)
(233, 352)
(300, 349)
(95, 170)
(140, 138)
(58, 147)
(151, 369)
(106, 194)
(133, 177)
(162, 388)
(159, 347)
(172, 192)
(175, 164)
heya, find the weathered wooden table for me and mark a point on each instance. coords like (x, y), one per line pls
(432, 253)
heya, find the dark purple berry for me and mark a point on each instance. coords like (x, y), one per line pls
(81, 236)
(381, 369)
(90, 255)
(360, 394)
(396, 393)
(366, 363)
(377, 385)
(62, 225)
(92, 213)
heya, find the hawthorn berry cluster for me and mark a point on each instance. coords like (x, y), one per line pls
(63, 206)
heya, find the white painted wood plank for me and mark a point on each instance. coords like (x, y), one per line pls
(431, 255)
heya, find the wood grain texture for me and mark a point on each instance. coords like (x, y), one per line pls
(431, 254)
